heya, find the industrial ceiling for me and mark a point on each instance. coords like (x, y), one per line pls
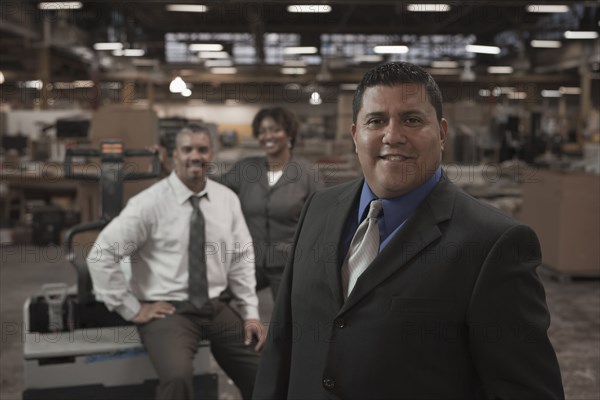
(58, 45)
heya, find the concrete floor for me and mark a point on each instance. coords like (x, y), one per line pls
(575, 330)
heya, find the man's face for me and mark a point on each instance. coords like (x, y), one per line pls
(191, 156)
(398, 138)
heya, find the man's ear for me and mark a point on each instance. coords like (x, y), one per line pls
(443, 132)
(353, 130)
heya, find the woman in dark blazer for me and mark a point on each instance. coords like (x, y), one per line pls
(272, 190)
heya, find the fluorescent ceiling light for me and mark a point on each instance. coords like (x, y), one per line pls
(557, 8)
(369, 58)
(129, 52)
(312, 8)
(294, 63)
(205, 47)
(218, 63)
(428, 7)
(550, 93)
(517, 95)
(500, 70)
(213, 54)
(569, 90)
(504, 89)
(390, 49)
(444, 64)
(108, 46)
(293, 71)
(300, 50)
(59, 5)
(198, 8)
(546, 44)
(223, 70)
(474, 48)
(581, 35)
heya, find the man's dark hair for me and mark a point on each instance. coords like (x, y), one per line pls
(397, 73)
(194, 128)
(282, 116)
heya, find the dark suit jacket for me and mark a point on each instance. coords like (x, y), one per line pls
(452, 308)
(272, 212)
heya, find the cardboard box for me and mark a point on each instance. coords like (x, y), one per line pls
(564, 210)
(138, 129)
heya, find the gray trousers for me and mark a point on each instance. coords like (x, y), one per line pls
(172, 342)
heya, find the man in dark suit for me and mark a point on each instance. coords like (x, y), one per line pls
(450, 307)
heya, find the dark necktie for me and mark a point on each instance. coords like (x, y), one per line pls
(197, 282)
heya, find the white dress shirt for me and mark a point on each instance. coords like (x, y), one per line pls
(153, 232)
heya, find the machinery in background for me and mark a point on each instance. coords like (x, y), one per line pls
(74, 347)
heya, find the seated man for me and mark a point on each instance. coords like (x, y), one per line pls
(188, 242)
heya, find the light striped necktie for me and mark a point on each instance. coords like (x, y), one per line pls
(197, 281)
(363, 249)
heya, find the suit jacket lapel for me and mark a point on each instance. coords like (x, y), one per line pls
(334, 229)
(420, 230)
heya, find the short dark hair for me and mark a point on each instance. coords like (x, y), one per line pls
(397, 73)
(284, 117)
(195, 128)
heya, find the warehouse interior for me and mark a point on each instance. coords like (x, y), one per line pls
(521, 88)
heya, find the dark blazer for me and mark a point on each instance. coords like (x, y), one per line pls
(452, 308)
(272, 212)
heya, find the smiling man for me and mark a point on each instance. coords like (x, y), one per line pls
(188, 243)
(399, 285)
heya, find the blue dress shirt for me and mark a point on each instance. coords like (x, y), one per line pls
(395, 212)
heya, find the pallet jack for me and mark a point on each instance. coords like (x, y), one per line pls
(74, 347)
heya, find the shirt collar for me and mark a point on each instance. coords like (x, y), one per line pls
(397, 209)
(182, 192)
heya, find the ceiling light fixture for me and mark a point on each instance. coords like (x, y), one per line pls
(293, 71)
(1, 78)
(300, 50)
(312, 8)
(223, 70)
(542, 8)
(444, 64)
(390, 49)
(59, 5)
(186, 92)
(569, 90)
(550, 93)
(177, 85)
(428, 7)
(517, 95)
(197, 8)
(294, 63)
(205, 47)
(475, 48)
(213, 54)
(129, 52)
(546, 44)
(368, 58)
(500, 69)
(108, 46)
(581, 35)
(218, 63)
(315, 99)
